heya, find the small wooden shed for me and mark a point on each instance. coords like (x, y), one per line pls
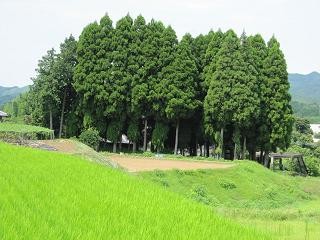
(293, 156)
(3, 115)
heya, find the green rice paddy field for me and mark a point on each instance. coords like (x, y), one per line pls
(48, 195)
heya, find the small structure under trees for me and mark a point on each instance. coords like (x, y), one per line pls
(3, 115)
(294, 157)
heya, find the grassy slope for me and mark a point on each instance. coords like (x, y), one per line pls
(252, 195)
(47, 195)
(22, 128)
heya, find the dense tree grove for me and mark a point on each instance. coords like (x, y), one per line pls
(216, 94)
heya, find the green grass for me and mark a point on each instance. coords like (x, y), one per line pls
(47, 195)
(289, 207)
(23, 129)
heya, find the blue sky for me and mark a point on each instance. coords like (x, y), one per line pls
(29, 28)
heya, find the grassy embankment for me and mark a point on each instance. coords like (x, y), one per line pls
(289, 207)
(14, 130)
(47, 195)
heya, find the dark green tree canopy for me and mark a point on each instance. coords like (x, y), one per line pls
(134, 77)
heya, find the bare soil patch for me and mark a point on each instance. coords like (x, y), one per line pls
(138, 164)
(61, 145)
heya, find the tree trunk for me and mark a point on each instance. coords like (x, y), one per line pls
(244, 149)
(62, 111)
(207, 149)
(196, 148)
(221, 143)
(177, 138)
(200, 146)
(114, 147)
(145, 135)
(50, 115)
(235, 152)
(134, 147)
(266, 159)
(261, 156)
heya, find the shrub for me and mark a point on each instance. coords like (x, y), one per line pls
(133, 131)
(317, 135)
(227, 184)
(90, 137)
(200, 194)
(313, 165)
(159, 135)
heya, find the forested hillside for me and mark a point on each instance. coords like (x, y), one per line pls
(305, 91)
(9, 93)
(305, 88)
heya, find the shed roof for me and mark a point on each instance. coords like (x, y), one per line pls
(3, 114)
(285, 155)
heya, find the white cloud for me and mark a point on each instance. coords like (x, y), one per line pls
(29, 28)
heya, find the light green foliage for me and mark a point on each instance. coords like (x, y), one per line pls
(13, 132)
(84, 200)
(43, 95)
(51, 94)
(253, 195)
(114, 131)
(90, 137)
(133, 131)
(311, 159)
(302, 126)
(159, 135)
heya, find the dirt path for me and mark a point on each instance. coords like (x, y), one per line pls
(130, 163)
(75, 148)
(138, 164)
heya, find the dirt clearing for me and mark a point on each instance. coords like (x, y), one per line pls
(139, 164)
(127, 162)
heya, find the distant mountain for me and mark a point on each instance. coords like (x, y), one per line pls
(305, 88)
(9, 93)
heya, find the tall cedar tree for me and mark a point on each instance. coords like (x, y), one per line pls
(139, 83)
(45, 88)
(210, 58)
(142, 82)
(258, 135)
(161, 42)
(138, 72)
(86, 75)
(63, 72)
(221, 105)
(278, 108)
(179, 86)
(245, 93)
(118, 101)
(199, 48)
